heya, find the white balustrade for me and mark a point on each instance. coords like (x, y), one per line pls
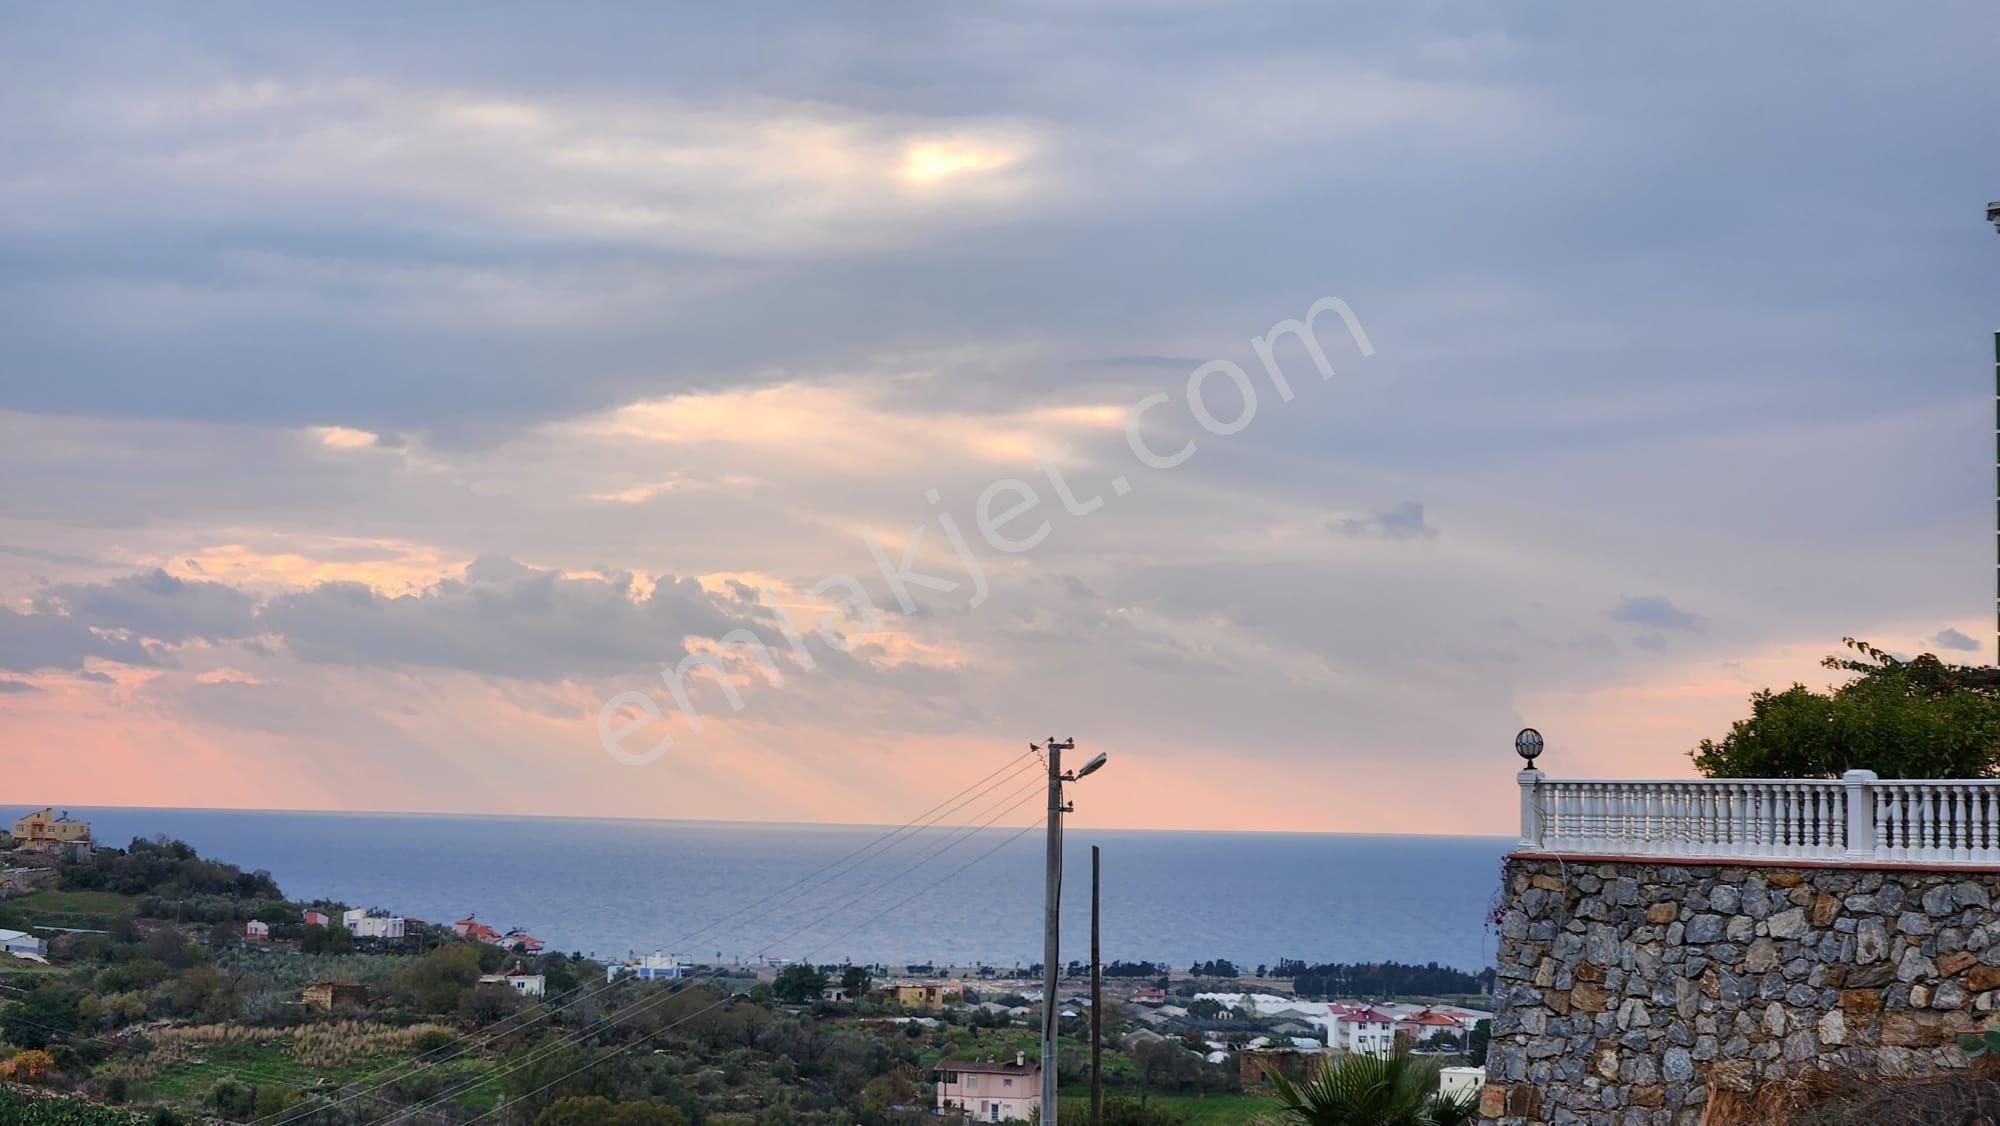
(1858, 818)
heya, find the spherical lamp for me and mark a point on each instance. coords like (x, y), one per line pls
(1528, 744)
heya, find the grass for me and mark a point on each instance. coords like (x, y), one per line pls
(1224, 1108)
(275, 1061)
(88, 910)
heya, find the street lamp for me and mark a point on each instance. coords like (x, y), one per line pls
(1528, 744)
(1052, 908)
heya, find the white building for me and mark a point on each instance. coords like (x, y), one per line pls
(649, 967)
(256, 930)
(21, 942)
(1359, 1028)
(1458, 1082)
(361, 924)
(520, 981)
(990, 1090)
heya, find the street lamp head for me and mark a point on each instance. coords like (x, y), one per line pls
(1528, 744)
(1092, 766)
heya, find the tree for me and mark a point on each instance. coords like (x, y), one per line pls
(1917, 718)
(1477, 1041)
(855, 980)
(596, 1110)
(39, 1018)
(316, 939)
(798, 983)
(1367, 1090)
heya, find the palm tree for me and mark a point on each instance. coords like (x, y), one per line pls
(1367, 1090)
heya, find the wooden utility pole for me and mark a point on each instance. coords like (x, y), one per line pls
(1096, 1006)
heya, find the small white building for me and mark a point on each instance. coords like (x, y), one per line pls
(1458, 1082)
(990, 1090)
(649, 967)
(21, 942)
(519, 980)
(257, 930)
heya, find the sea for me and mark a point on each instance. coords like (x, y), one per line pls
(715, 891)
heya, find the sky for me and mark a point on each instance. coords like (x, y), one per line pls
(397, 403)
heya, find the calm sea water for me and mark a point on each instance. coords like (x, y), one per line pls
(710, 889)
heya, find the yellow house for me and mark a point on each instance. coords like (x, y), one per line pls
(927, 994)
(44, 825)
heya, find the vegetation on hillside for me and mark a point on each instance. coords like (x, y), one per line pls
(1915, 718)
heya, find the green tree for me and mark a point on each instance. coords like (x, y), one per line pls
(798, 983)
(855, 980)
(596, 1110)
(1920, 718)
(1367, 1090)
(316, 939)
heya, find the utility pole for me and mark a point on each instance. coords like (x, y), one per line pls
(1096, 1006)
(1052, 912)
(1051, 928)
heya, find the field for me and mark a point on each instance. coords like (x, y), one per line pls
(84, 910)
(187, 1066)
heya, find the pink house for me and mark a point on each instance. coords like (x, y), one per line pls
(317, 918)
(990, 1090)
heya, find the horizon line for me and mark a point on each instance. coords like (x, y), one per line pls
(732, 822)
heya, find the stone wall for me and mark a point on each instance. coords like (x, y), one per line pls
(1626, 989)
(21, 881)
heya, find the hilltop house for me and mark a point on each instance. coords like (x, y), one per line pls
(519, 980)
(990, 1090)
(470, 927)
(315, 919)
(518, 939)
(256, 930)
(361, 924)
(45, 829)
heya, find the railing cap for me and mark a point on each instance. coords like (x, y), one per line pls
(1860, 776)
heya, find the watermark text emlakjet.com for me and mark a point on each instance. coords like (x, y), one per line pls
(1006, 520)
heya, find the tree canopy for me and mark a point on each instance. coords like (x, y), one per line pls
(1915, 718)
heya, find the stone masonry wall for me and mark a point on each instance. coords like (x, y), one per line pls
(1624, 989)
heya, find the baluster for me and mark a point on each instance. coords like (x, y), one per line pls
(1887, 842)
(1906, 804)
(1961, 839)
(1927, 826)
(1736, 834)
(1885, 829)
(1801, 819)
(1911, 809)
(1823, 808)
(1783, 835)
(1985, 823)
(1653, 820)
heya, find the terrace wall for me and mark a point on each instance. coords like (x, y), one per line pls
(1633, 991)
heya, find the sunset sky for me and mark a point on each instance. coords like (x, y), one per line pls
(385, 389)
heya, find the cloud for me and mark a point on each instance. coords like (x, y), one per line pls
(504, 619)
(1403, 522)
(15, 687)
(155, 605)
(1949, 638)
(41, 640)
(1656, 611)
